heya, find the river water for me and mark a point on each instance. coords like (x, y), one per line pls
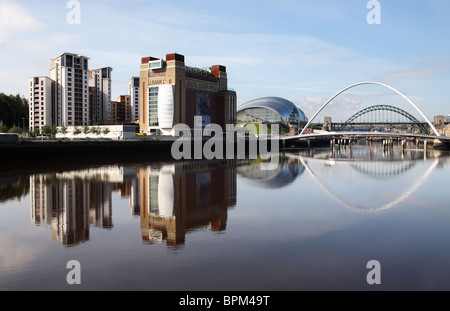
(314, 221)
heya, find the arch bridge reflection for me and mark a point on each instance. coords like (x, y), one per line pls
(375, 163)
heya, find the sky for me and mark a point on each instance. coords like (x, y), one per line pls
(301, 50)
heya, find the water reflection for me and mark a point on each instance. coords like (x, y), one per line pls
(256, 173)
(170, 199)
(376, 163)
(173, 198)
(185, 196)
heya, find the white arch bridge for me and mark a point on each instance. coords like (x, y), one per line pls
(435, 136)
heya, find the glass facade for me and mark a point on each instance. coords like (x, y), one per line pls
(69, 61)
(153, 106)
(261, 115)
(272, 110)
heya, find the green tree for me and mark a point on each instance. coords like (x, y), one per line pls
(54, 131)
(76, 131)
(15, 129)
(63, 130)
(105, 131)
(35, 132)
(3, 128)
(96, 131)
(13, 110)
(86, 130)
(46, 130)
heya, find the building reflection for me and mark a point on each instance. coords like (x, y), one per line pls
(257, 173)
(170, 199)
(185, 196)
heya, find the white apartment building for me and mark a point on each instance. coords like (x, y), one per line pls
(70, 73)
(133, 92)
(41, 102)
(100, 96)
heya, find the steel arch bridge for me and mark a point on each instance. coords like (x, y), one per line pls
(396, 110)
(374, 83)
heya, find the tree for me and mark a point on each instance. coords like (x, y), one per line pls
(13, 110)
(46, 130)
(76, 131)
(15, 129)
(54, 131)
(86, 130)
(96, 130)
(35, 132)
(105, 131)
(63, 130)
(3, 128)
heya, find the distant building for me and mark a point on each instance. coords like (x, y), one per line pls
(41, 102)
(446, 130)
(172, 93)
(327, 123)
(70, 73)
(273, 110)
(121, 110)
(133, 92)
(72, 95)
(100, 96)
(439, 120)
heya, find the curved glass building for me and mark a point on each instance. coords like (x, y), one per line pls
(272, 110)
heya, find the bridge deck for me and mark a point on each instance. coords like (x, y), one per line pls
(366, 134)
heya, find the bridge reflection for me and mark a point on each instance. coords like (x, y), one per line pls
(374, 162)
(171, 199)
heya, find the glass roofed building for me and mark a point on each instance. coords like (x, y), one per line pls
(272, 110)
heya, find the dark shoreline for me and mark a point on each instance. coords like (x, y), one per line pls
(32, 155)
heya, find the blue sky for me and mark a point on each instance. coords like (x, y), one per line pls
(304, 51)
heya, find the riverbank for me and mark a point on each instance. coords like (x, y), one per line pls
(66, 149)
(99, 150)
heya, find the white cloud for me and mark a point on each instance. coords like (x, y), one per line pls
(411, 74)
(15, 19)
(15, 256)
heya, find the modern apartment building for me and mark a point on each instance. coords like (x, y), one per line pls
(133, 92)
(172, 93)
(121, 110)
(100, 96)
(70, 73)
(41, 102)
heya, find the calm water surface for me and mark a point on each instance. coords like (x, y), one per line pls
(312, 223)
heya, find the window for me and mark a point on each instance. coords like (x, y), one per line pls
(69, 61)
(153, 106)
(105, 73)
